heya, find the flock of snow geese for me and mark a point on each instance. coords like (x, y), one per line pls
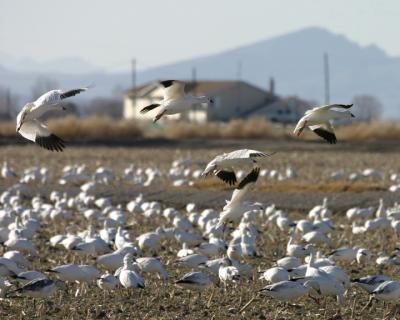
(175, 101)
(217, 247)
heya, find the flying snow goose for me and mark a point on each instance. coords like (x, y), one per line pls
(175, 100)
(235, 208)
(223, 165)
(319, 120)
(32, 129)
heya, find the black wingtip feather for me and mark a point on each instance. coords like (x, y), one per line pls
(150, 107)
(345, 106)
(188, 281)
(328, 136)
(261, 154)
(71, 93)
(250, 178)
(228, 177)
(51, 142)
(167, 83)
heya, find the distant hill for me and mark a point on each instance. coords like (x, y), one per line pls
(294, 60)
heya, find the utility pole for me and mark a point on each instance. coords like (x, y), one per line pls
(239, 70)
(8, 104)
(194, 74)
(133, 73)
(194, 80)
(326, 78)
(239, 78)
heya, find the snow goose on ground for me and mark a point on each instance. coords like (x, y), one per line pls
(40, 288)
(107, 281)
(291, 290)
(196, 281)
(275, 274)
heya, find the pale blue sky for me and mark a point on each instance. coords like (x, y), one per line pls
(110, 33)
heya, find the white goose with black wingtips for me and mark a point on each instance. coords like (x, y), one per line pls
(236, 207)
(223, 165)
(32, 129)
(319, 120)
(175, 100)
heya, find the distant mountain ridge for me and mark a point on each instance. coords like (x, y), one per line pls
(294, 60)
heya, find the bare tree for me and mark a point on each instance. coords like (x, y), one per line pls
(42, 85)
(367, 108)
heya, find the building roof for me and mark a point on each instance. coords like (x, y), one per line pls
(199, 87)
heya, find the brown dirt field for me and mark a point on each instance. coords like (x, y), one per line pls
(313, 163)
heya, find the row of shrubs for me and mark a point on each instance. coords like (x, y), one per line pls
(105, 128)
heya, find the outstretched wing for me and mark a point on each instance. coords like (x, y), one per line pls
(246, 153)
(71, 93)
(325, 131)
(251, 178)
(55, 96)
(226, 176)
(173, 89)
(330, 106)
(244, 186)
(149, 107)
(49, 98)
(37, 132)
(342, 106)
